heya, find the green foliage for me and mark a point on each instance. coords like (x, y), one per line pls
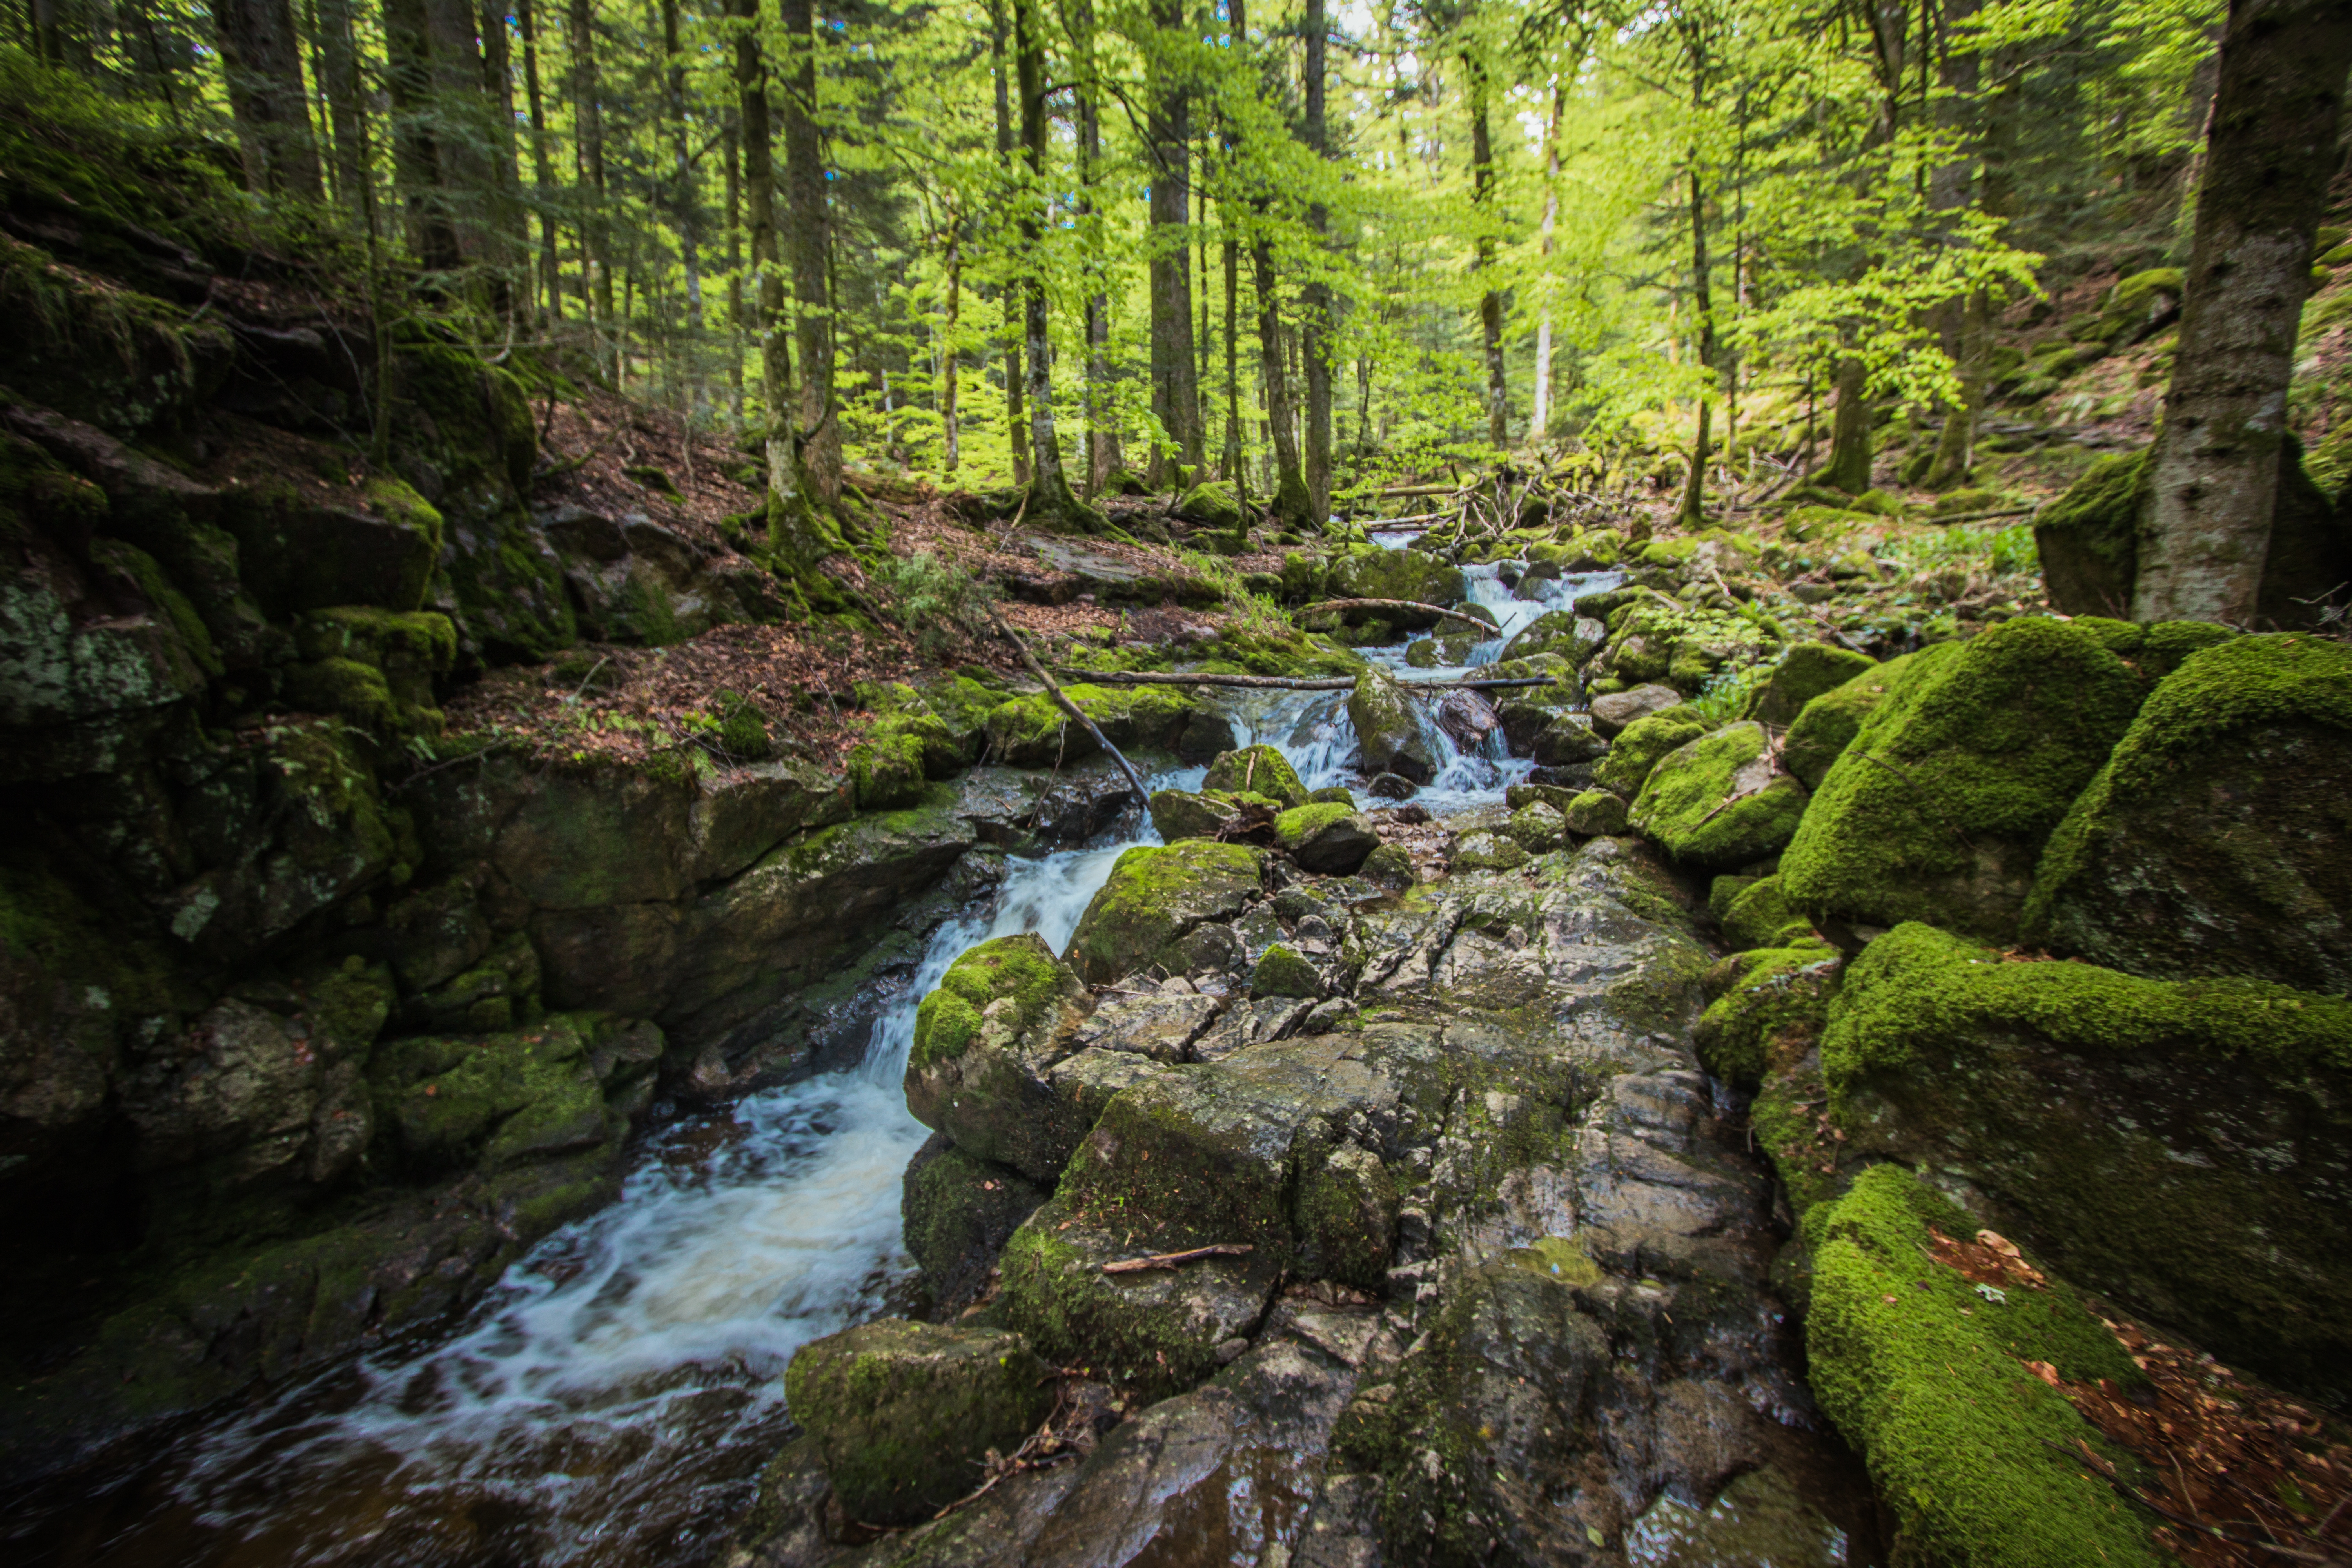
(932, 600)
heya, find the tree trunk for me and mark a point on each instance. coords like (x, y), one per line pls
(2205, 524)
(1015, 442)
(1050, 499)
(1849, 466)
(346, 109)
(1314, 300)
(1233, 463)
(542, 171)
(1540, 420)
(733, 140)
(1692, 514)
(1102, 428)
(1490, 303)
(1175, 392)
(684, 210)
(811, 245)
(950, 428)
(261, 60)
(416, 149)
(1292, 507)
(588, 127)
(467, 176)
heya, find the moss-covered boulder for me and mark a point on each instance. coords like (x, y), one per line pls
(986, 1039)
(1572, 637)
(1797, 677)
(903, 1415)
(1636, 750)
(1211, 505)
(1760, 915)
(1389, 730)
(1939, 807)
(1153, 898)
(301, 549)
(1824, 728)
(1256, 770)
(1281, 972)
(1768, 1011)
(372, 668)
(1718, 802)
(1978, 1457)
(2216, 841)
(1596, 814)
(1407, 574)
(451, 1102)
(1390, 867)
(1538, 827)
(1330, 839)
(1034, 730)
(1208, 814)
(1616, 711)
(1484, 849)
(2182, 1147)
(956, 1213)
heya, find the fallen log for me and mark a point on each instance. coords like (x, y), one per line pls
(1395, 604)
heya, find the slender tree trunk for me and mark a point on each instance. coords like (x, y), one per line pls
(1315, 321)
(1102, 428)
(1049, 495)
(1848, 468)
(734, 141)
(468, 167)
(811, 245)
(416, 149)
(1692, 514)
(346, 111)
(1490, 303)
(1175, 392)
(1015, 442)
(1292, 507)
(949, 424)
(588, 126)
(2213, 473)
(684, 210)
(1235, 462)
(261, 60)
(1540, 420)
(550, 265)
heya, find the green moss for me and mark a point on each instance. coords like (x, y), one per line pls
(352, 691)
(1806, 671)
(885, 769)
(1282, 972)
(1021, 967)
(1301, 822)
(1636, 751)
(1154, 895)
(502, 1100)
(2088, 539)
(1769, 1013)
(170, 603)
(1925, 1377)
(1941, 803)
(1760, 915)
(1259, 770)
(1717, 802)
(1828, 723)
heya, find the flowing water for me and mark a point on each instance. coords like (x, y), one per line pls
(612, 1400)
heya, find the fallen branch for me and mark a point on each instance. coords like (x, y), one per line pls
(1174, 1260)
(1980, 516)
(1396, 604)
(1072, 709)
(1285, 682)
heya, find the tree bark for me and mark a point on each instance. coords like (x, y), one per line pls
(1102, 430)
(1175, 390)
(1693, 513)
(416, 150)
(1015, 425)
(1849, 466)
(1050, 499)
(950, 428)
(1315, 323)
(1291, 506)
(542, 171)
(588, 124)
(1490, 303)
(2205, 525)
(810, 241)
(1540, 420)
(346, 110)
(684, 210)
(261, 60)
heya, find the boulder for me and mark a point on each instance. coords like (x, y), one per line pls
(1330, 839)
(1389, 867)
(1538, 829)
(1826, 723)
(1596, 814)
(1760, 915)
(1256, 770)
(1154, 899)
(1391, 786)
(1036, 732)
(2215, 840)
(1619, 710)
(1407, 574)
(2178, 1145)
(1563, 632)
(1525, 713)
(450, 1102)
(1211, 505)
(1389, 729)
(1637, 750)
(1283, 973)
(1485, 850)
(1717, 802)
(1976, 1458)
(1568, 740)
(1768, 1012)
(1940, 806)
(1797, 677)
(957, 1213)
(1004, 1014)
(1208, 814)
(1160, 1025)
(903, 1415)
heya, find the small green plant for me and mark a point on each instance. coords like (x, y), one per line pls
(932, 599)
(1721, 701)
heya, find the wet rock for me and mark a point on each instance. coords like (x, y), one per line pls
(1618, 709)
(1002, 1017)
(2214, 842)
(1179, 814)
(1162, 1025)
(1389, 729)
(1256, 770)
(1573, 636)
(2168, 1143)
(497, 993)
(1567, 739)
(1407, 574)
(1390, 786)
(1329, 839)
(1969, 767)
(496, 1101)
(1034, 730)
(1718, 802)
(739, 814)
(1156, 898)
(1467, 718)
(1538, 827)
(903, 1415)
(1282, 972)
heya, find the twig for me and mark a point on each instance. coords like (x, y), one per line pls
(1396, 604)
(1173, 1259)
(1074, 711)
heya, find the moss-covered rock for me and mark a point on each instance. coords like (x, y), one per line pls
(1483, 849)
(1153, 898)
(957, 1213)
(1538, 827)
(1597, 813)
(1636, 751)
(1939, 807)
(1573, 636)
(1211, 505)
(1768, 1012)
(1034, 732)
(1282, 972)
(1389, 730)
(1828, 722)
(903, 1415)
(986, 1041)
(1975, 1455)
(1256, 770)
(1391, 867)
(2182, 1147)
(1206, 814)
(1716, 800)
(1407, 574)
(2215, 841)
(1330, 839)
(495, 1099)
(1760, 915)
(1618, 710)
(1804, 672)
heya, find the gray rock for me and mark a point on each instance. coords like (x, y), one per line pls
(1614, 711)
